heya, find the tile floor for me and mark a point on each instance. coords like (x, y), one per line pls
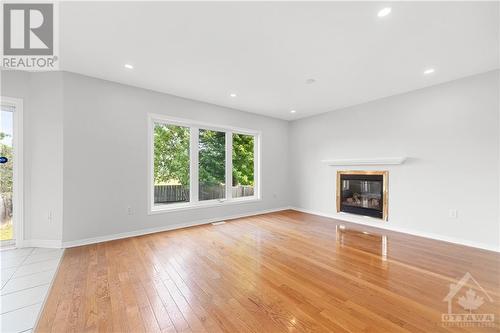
(26, 275)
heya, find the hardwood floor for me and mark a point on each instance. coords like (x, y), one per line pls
(279, 272)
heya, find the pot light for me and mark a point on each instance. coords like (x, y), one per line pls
(429, 71)
(293, 111)
(128, 66)
(384, 12)
(233, 95)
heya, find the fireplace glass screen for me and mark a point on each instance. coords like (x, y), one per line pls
(362, 194)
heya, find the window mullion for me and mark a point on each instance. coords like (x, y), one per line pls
(229, 165)
(193, 165)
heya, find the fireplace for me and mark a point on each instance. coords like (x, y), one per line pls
(362, 193)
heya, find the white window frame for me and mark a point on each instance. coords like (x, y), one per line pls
(194, 202)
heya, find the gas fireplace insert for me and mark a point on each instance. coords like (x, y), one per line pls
(363, 193)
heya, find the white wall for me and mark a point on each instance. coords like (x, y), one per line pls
(103, 126)
(450, 133)
(43, 149)
(105, 157)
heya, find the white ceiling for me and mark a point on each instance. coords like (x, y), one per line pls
(265, 52)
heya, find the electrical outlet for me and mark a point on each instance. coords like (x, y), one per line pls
(130, 211)
(453, 214)
(49, 216)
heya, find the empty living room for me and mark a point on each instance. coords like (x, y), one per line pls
(250, 166)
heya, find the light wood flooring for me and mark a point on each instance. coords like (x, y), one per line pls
(278, 272)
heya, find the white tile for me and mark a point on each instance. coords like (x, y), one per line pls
(27, 281)
(11, 262)
(23, 298)
(6, 274)
(26, 275)
(16, 253)
(43, 257)
(41, 250)
(20, 320)
(37, 267)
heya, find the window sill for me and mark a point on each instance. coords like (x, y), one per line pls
(160, 209)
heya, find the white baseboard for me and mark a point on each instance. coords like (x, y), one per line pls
(47, 243)
(141, 232)
(386, 226)
(343, 217)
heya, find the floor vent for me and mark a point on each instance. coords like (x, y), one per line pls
(219, 223)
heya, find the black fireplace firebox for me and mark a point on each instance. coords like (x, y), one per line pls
(362, 193)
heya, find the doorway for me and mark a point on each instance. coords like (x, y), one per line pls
(11, 194)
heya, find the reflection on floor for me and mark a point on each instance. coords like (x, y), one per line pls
(372, 242)
(26, 275)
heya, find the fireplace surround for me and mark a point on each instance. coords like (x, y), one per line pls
(363, 193)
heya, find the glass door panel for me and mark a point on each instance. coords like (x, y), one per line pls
(6, 173)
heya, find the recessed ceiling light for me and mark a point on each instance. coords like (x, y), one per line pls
(128, 66)
(429, 71)
(384, 12)
(292, 111)
(233, 95)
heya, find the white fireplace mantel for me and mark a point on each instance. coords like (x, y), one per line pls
(367, 161)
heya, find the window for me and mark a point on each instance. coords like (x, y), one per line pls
(212, 165)
(243, 165)
(199, 165)
(171, 164)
